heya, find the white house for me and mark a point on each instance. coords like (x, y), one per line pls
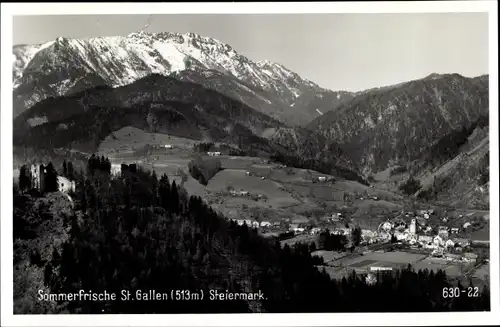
(454, 230)
(213, 154)
(461, 241)
(467, 224)
(471, 257)
(315, 230)
(387, 226)
(168, 146)
(424, 238)
(426, 216)
(65, 185)
(322, 178)
(116, 169)
(400, 236)
(438, 241)
(449, 244)
(265, 224)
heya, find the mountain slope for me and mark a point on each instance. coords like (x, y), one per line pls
(182, 108)
(118, 61)
(394, 126)
(164, 105)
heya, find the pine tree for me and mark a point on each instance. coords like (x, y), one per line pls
(356, 236)
(56, 257)
(24, 179)
(174, 197)
(65, 169)
(71, 171)
(47, 274)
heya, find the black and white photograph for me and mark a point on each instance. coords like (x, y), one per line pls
(167, 161)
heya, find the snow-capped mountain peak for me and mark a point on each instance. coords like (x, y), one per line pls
(121, 60)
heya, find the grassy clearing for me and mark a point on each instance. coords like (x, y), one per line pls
(238, 180)
(131, 138)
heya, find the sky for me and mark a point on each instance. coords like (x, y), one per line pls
(350, 52)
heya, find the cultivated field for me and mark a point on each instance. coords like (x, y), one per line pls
(238, 180)
(129, 139)
(362, 263)
(289, 193)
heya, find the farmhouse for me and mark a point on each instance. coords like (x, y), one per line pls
(322, 178)
(424, 238)
(238, 193)
(265, 224)
(213, 154)
(471, 257)
(400, 236)
(453, 257)
(315, 230)
(387, 226)
(461, 241)
(467, 224)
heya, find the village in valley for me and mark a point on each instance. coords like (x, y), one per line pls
(380, 230)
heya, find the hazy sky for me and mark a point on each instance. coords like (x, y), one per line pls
(337, 51)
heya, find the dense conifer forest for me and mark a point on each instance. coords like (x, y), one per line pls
(143, 232)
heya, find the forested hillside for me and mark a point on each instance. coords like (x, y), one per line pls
(141, 232)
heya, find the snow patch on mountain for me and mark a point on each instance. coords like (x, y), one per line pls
(170, 53)
(122, 60)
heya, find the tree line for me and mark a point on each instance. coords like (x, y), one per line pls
(141, 231)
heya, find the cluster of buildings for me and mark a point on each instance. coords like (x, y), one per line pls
(323, 179)
(256, 224)
(38, 175)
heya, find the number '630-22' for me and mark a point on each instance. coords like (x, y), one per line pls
(450, 292)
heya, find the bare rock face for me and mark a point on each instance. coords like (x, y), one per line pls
(65, 66)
